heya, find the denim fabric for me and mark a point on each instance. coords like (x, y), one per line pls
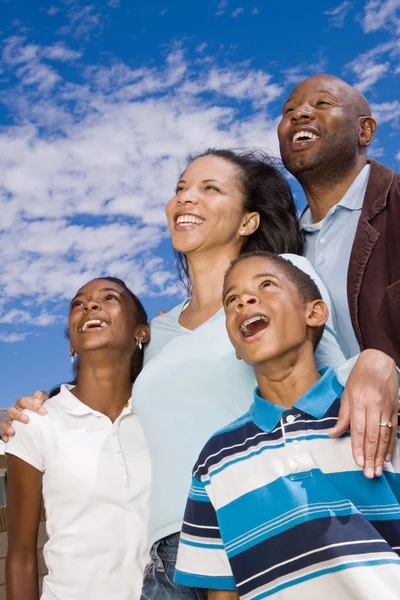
(158, 582)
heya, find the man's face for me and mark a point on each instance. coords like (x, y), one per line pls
(319, 129)
(265, 314)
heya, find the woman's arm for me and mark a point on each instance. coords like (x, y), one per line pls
(221, 595)
(33, 403)
(24, 493)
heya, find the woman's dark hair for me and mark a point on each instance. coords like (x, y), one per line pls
(137, 358)
(265, 191)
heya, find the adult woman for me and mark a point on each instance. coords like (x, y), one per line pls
(96, 514)
(191, 383)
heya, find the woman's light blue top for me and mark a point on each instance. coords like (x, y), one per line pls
(192, 385)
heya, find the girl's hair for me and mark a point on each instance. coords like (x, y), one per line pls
(265, 191)
(137, 358)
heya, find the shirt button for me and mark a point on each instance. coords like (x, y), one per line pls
(124, 475)
(322, 240)
(290, 419)
(296, 443)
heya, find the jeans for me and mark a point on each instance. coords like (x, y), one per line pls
(158, 582)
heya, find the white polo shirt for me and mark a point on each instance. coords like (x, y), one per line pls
(96, 480)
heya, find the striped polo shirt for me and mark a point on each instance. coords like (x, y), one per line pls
(277, 508)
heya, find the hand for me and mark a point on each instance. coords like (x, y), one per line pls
(370, 398)
(33, 403)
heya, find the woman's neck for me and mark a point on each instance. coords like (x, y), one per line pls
(206, 272)
(105, 386)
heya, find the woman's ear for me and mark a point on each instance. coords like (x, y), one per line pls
(143, 334)
(250, 224)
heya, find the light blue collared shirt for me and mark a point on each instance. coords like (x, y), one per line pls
(328, 244)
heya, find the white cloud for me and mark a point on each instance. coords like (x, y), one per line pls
(238, 11)
(114, 3)
(398, 155)
(84, 181)
(381, 14)
(338, 14)
(386, 111)
(83, 22)
(371, 66)
(13, 337)
(53, 10)
(255, 11)
(222, 6)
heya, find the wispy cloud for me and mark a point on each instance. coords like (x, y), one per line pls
(238, 11)
(338, 14)
(83, 22)
(371, 66)
(13, 337)
(386, 111)
(85, 175)
(381, 14)
(222, 7)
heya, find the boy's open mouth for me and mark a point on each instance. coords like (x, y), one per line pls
(254, 325)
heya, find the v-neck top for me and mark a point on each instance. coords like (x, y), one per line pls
(192, 385)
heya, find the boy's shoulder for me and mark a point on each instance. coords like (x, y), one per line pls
(225, 443)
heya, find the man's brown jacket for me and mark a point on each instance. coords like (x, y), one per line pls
(373, 281)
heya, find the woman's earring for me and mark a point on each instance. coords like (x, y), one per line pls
(72, 356)
(242, 232)
(139, 343)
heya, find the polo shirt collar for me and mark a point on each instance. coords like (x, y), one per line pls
(316, 402)
(352, 200)
(72, 406)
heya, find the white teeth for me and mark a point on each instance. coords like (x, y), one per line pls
(95, 323)
(254, 319)
(244, 326)
(189, 219)
(304, 134)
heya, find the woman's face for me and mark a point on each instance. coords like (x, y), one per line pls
(207, 209)
(102, 315)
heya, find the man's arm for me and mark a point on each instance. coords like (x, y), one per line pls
(24, 493)
(221, 595)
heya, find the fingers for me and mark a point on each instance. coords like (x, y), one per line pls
(33, 403)
(393, 436)
(7, 431)
(376, 437)
(343, 422)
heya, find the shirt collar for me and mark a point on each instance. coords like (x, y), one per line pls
(316, 402)
(352, 200)
(72, 406)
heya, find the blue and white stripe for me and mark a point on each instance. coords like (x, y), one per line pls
(276, 503)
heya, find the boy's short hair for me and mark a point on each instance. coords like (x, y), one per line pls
(306, 287)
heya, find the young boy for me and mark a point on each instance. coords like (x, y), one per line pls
(277, 508)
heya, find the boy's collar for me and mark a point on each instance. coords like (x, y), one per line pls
(316, 402)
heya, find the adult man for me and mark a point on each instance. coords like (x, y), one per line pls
(351, 225)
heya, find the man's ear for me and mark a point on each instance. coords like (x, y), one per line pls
(143, 334)
(317, 313)
(367, 131)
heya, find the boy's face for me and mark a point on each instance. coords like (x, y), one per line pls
(266, 317)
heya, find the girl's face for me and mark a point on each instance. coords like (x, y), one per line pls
(207, 209)
(103, 315)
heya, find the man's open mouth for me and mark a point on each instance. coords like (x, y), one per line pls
(304, 136)
(254, 325)
(93, 324)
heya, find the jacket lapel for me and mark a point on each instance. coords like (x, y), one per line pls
(380, 180)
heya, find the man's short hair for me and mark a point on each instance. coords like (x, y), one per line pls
(306, 287)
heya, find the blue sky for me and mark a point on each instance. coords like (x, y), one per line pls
(100, 104)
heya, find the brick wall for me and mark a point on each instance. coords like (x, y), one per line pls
(42, 537)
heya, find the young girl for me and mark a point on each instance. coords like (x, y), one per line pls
(88, 457)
